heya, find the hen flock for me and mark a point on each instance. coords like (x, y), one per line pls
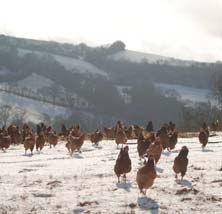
(150, 145)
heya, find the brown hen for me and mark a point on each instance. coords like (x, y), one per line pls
(155, 149)
(203, 137)
(123, 163)
(181, 162)
(75, 143)
(146, 175)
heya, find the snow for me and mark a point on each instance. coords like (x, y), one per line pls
(35, 82)
(126, 97)
(138, 57)
(35, 109)
(54, 182)
(187, 93)
(135, 56)
(78, 65)
(71, 64)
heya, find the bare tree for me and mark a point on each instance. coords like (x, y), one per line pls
(5, 113)
(194, 116)
(217, 89)
(54, 92)
(70, 99)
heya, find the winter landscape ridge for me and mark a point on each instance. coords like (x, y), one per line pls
(37, 83)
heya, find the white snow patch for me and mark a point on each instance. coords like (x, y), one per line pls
(71, 64)
(126, 97)
(186, 93)
(35, 82)
(139, 57)
(78, 65)
(135, 56)
(35, 109)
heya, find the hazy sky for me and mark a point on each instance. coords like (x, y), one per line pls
(188, 29)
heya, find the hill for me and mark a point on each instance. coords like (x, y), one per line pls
(106, 83)
(139, 57)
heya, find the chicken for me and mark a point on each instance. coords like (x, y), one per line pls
(5, 142)
(172, 126)
(75, 131)
(215, 126)
(14, 133)
(164, 137)
(52, 139)
(181, 162)
(3, 131)
(129, 132)
(64, 130)
(149, 127)
(144, 143)
(96, 137)
(121, 137)
(26, 130)
(12, 129)
(138, 130)
(18, 138)
(155, 149)
(119, 126)
(203, 137)
(146, 175)
(29, 142)
(205, 128)
(172, 140)
(110, 133)
(123, 163)
(75, 143)
(40, 140)
(38, 129)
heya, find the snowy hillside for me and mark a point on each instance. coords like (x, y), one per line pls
(186, 93)
(35, 109)
(78, 65)
(135, 56)
(54, 182)
(71, 64)
(35, 82)
(127, 98)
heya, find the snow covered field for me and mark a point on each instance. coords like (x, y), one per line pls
(34, 109)
(71, 64)
(135, 56)
(54, 182)
(35, 82)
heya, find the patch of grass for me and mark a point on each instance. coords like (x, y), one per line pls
(132, 205)
(214, 199)
(217, 181)
(186, 199)
(42, 195)
(58, 206)
(23, 197)
(87, 203)
(185, 191)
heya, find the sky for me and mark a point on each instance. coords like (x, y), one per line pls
(186, 29)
